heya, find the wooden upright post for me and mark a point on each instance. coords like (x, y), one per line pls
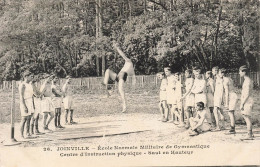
(12, 141)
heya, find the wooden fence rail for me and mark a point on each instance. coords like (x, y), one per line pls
(92, 83)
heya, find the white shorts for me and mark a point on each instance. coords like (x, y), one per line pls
(68, 102)
(56, 102)
(210, 100)
(232, 101)
(171, 97)
(201, 98)
(218, 100)
(189, 100)
(46, 104)
(179, 103)
(248, 107)
(163, 95)
(204, 127)
(163, 103)
(29, 105)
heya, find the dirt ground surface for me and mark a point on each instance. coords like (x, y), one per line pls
(100, 120)
(128, 129)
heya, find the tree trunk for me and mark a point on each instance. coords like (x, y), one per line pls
(76, 61)
(97, 66)
(100, 19)
(171, 5)
(242, 38)
(70, 58)
(257, 54)
(217, 31)
(97, 35)
(130, 8)
(145, 6)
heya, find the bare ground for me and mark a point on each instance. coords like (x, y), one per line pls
(100, 121)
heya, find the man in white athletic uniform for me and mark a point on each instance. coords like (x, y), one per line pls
(68, 101)
(247, 101)
(37, 107)
(210, 95)
(171, 97)
(26, 102)
(200, 122)
(230, 99)
(199, 87)
(188, 96)
(163, 94)
(218, 100)
(57, 95)
(46, 104)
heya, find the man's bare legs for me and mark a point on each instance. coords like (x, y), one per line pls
(249, 127)
(28, 124)
(32, 124)
(121, 83)
(232, 121)
(166, 112)
(45, 125)
(213, 121)
(23, 121)
(163, 109)
(188, 113)
(109, 74)
(217, 113)
(36, 125)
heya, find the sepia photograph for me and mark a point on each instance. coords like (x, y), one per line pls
(129, 83)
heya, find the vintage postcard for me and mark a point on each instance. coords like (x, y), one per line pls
(129, 83)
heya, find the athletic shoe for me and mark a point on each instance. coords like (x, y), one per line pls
(248, 137)
(124, 110)
(176, 122)
(46, 129)
(39, 133)
(181, 125)
(193, 133)
(29, 136)
(215, 130)
(232, 130)
(187, 126)
(165, 120)
(61, 127)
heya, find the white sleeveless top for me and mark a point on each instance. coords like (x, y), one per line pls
(67, 90)
(247, 83)
(171, 82)
(188, 84)
(28, 92)
(219, 87)
(209, 82)
(200, 84)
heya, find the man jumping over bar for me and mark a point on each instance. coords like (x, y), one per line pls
(127, 70)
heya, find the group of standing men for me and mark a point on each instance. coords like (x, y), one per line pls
(45, 99)
(206, 98)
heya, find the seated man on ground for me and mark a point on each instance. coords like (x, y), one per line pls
(199, 123)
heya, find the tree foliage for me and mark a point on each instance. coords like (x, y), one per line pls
(54, 36)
